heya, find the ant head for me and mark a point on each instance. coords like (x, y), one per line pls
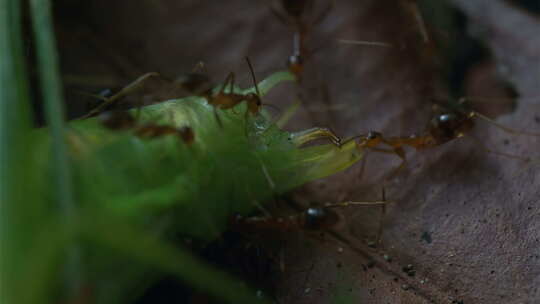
(295, 63)
(450, 125)
(319, 218)
(254, 103)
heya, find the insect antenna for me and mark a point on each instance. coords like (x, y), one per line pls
(253, 77)
(501, 126)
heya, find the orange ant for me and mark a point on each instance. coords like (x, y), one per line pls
(124, 121)
(108, 101)
(311, 219)
(227, 100)
(295, 10)
(447, 124)
(193, 82)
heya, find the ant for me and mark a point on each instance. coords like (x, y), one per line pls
(227, 100)
(193, 82)
(109, 101)
(295, 11)
(125, 121)
(316, 219)
(448, 124)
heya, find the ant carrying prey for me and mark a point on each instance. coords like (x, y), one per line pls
(314, 219)
(448, 124)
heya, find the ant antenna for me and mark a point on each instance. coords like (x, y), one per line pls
(473, 114)
(253, 77)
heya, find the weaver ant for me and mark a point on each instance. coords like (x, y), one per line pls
(295, 14)
(121, 120)
(227, 100)
(195, 83)
(448, 124)
(315, 219)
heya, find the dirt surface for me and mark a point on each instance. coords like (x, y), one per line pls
(463, 225)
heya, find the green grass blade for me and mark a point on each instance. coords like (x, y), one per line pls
(14, 146)
(51, 89)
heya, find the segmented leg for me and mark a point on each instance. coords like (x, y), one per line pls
(137, 83)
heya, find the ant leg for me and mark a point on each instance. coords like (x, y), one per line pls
(363, 166)
(399, 152)
(381, 217)
(231, 84)
(216, 115)
(383, 202)
(228, 79)
(364, 42)
(302, 137)
(137, 83)
(413, 8)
